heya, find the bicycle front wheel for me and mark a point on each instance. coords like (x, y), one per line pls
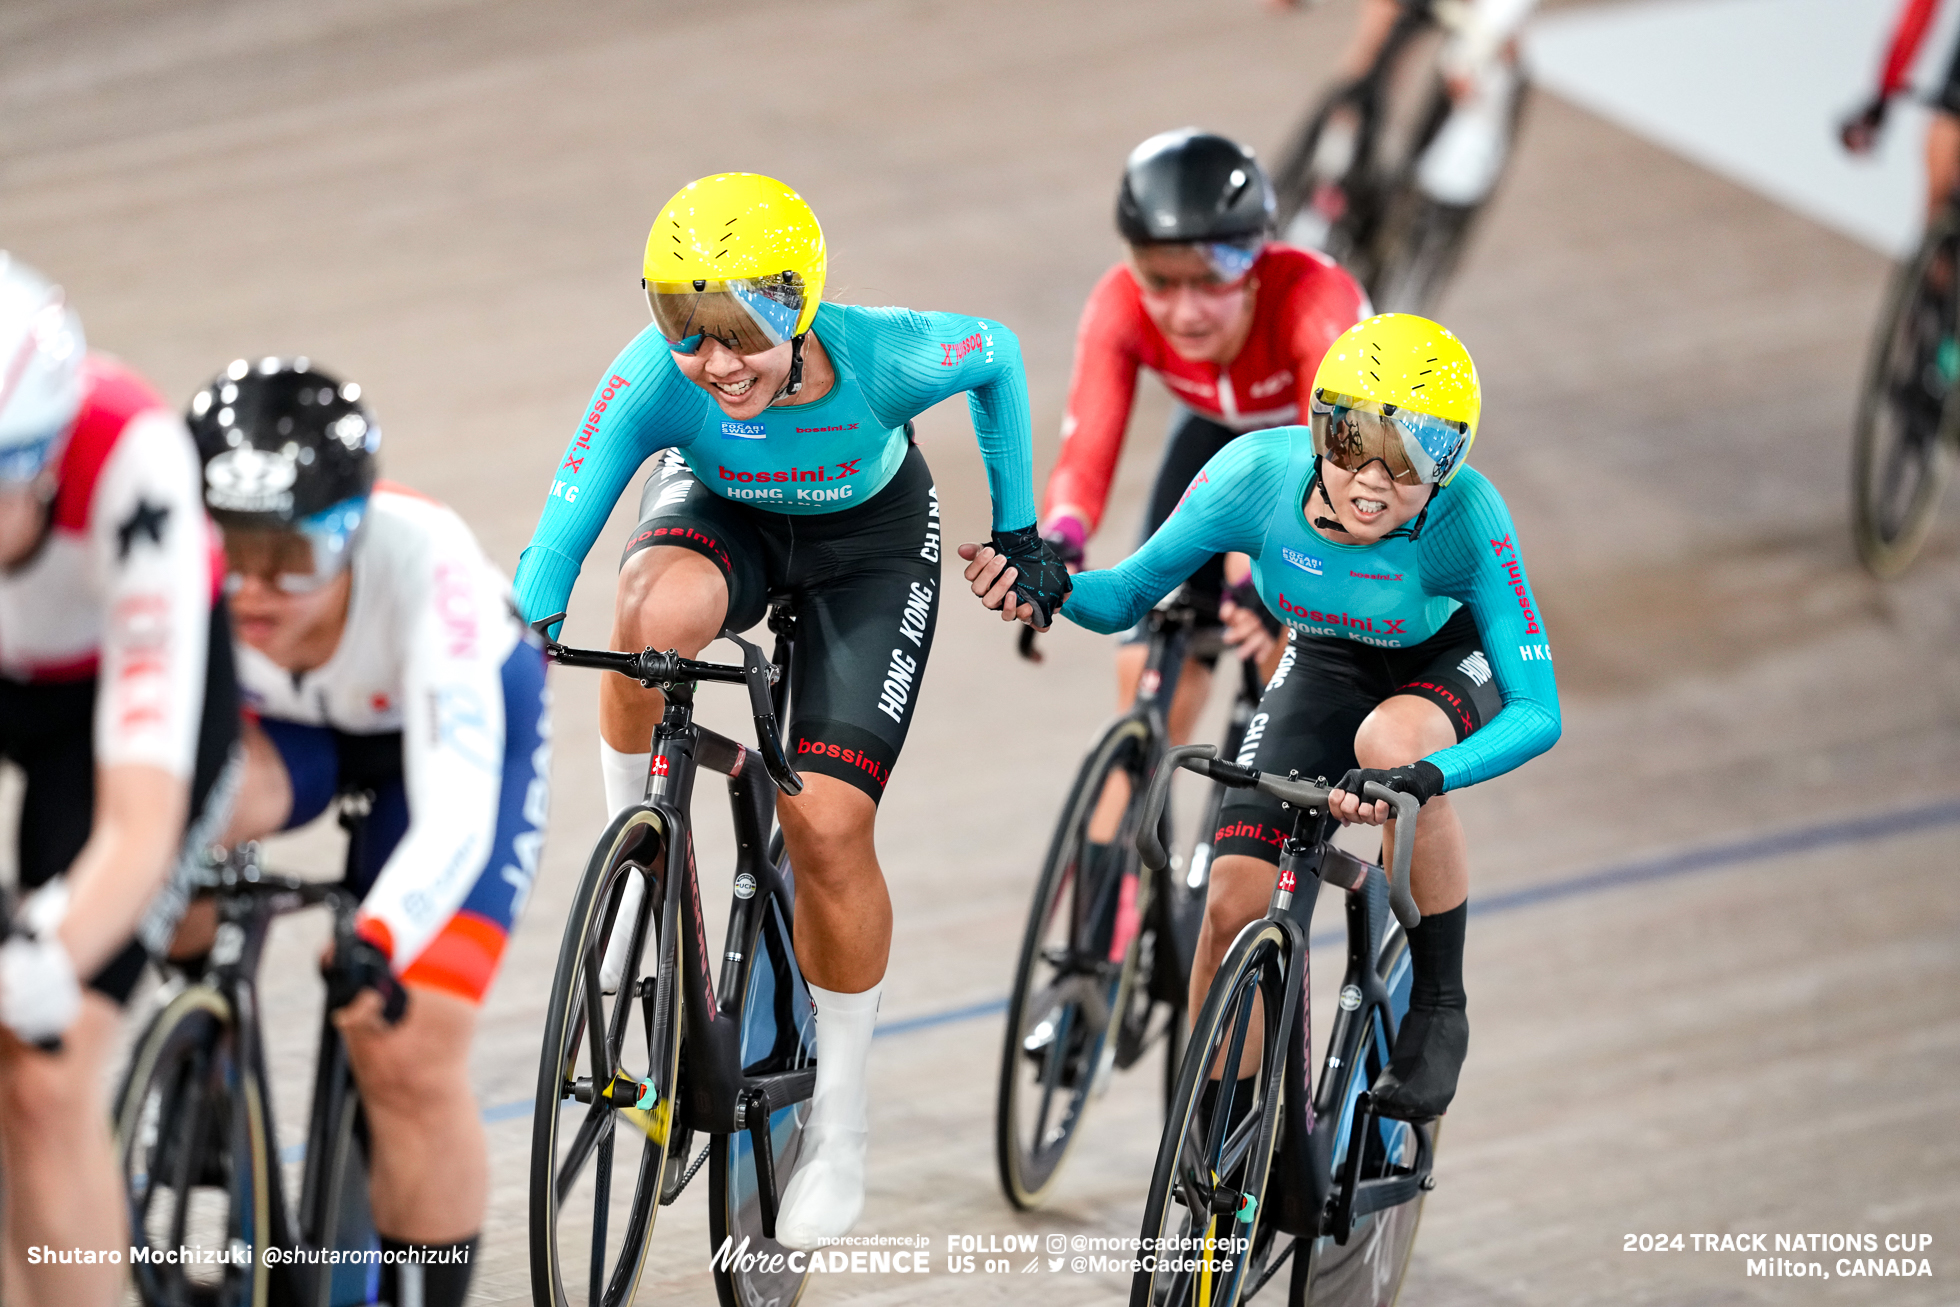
(1069, 993)
(778, 1035)
(599, 1145)
(196, 1158)
(1204, 1214)
(1367, 1270)
(1901, 453)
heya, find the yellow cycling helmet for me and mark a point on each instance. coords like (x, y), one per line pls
(736, 256)
(1401, 389)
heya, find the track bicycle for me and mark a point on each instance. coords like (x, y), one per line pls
(1348, 180)
(1272, 1167)
(1907, 430)
(195, 1140)
(1105, 960)
(630, 1072)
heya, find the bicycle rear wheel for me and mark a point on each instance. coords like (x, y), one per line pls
(589, 1231)
(1902, 445)
(1216, 1154)
(778, 1034)
(196, 1158)
(1070, 993)
(1367, 1270)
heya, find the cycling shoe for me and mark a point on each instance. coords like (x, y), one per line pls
(1420, 1079)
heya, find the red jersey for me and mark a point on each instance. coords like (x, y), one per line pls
(1303, 301)
(120, 590)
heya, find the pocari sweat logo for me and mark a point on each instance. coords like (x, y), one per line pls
(743, 431)
(1305, 562)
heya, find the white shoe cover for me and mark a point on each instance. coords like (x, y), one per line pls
(826, 1195)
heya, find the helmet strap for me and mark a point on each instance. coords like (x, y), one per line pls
(1410, 529)
(795, 381)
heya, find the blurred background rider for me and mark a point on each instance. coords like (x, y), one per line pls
(380, 657)
(1234, 323)
(118, 705)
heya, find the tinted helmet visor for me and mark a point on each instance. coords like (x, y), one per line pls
(1416, 448)
(749, 316)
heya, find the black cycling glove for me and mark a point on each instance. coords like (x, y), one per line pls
(1422, 779)
(363, 966)
(1043, 577)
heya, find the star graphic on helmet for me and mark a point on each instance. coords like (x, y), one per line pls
(146, 519)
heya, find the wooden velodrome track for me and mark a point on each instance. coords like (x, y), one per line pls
(1753, 1029)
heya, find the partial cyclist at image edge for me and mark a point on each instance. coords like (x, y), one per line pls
(1860, 131)
(783, 426)
(380, 658)
(1427, 632)
(118, 704)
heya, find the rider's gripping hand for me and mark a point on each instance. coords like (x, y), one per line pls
(40, 995)
(1859, 132)
(1068, 536)
(1422, 779)
(361, 966)
(1018, 576)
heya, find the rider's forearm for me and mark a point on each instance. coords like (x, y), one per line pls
(1002, 425)
(132, 844)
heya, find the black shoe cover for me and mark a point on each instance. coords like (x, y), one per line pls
(1420, 1079)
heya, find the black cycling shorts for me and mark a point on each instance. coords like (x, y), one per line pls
(1192, 441)
(48, 731)
(1319, 695)
(864, 582)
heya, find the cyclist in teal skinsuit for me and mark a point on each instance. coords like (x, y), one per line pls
(1417, 656)
(788, 466)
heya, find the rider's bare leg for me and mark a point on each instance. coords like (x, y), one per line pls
(59, 1164)
(1942, 161)
(667, 598)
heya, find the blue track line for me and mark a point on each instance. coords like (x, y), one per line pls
(1667, 866)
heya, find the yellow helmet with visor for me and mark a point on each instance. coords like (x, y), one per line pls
(1401, 390)
(738, 257)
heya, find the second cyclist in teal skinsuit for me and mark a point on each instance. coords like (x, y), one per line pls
(1417, 656)
(788, 466)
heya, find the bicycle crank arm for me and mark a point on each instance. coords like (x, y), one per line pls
(755, 1118)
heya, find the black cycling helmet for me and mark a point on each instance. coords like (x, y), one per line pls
(1189, 185)
(281, 443)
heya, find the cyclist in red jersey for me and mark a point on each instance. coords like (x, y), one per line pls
(1860, 131)
(118, 705)
(1231, 321)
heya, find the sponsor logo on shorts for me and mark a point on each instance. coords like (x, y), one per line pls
(575, 456)
(1305, 562)
(673, 535)
(743, 431)
(1248, 830)
(1255, 731)
(1476, 667)
(1447, 698)
(857, 758)
(917, 614)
